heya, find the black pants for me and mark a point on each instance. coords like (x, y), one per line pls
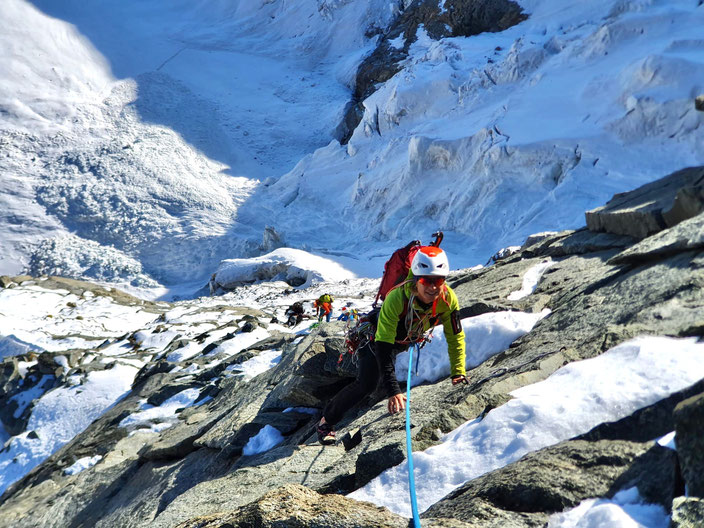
(368, 377)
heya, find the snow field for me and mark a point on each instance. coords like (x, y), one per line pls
(570, 402)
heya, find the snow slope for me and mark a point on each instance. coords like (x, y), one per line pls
(146, 142)
(145, 128)
(498, 136)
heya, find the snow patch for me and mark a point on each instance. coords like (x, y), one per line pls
(293, 266)
(82, 464)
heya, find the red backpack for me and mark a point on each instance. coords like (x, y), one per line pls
(397, 267)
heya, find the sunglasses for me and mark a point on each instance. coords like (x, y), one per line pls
(432, 281)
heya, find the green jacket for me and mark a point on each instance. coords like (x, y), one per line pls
(391, 329)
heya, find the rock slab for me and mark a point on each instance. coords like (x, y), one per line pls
(689, 424)
(653, 207)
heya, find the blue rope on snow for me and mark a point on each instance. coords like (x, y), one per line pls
(409, 451)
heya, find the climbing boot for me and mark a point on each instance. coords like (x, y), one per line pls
(326, 434)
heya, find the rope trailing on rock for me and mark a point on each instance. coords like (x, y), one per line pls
(409, 450)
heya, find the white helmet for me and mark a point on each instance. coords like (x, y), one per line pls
(430, 261)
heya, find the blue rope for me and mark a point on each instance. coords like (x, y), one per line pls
(409, 450)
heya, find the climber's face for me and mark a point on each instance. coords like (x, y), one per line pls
(429, 288)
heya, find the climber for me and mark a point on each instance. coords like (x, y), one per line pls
(323, 306)
(347, 314)
(295, 314)
(408, 312)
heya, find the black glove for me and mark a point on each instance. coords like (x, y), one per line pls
(460, 379)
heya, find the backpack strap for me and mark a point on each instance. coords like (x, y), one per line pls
(435, 302)
(404, 312)
(407, 281)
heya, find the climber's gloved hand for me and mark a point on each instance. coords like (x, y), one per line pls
(460, 379)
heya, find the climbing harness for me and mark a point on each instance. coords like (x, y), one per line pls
(359, 332)
(409, 450)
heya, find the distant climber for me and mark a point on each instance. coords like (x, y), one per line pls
(410, 309)
(295, 314)
(347, 314)
(323, 306)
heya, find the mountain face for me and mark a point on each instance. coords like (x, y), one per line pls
(456, 18)
(195, 465)
(145, 143)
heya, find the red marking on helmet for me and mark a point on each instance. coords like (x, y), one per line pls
(431, 251)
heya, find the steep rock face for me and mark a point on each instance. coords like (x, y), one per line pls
(557, 478)
(198, 467)
(298, 507)
(687, 235)
(689, 420)
(652, 207)
(456, 18)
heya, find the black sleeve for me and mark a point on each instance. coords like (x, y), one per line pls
(456, 322)
(384, 353)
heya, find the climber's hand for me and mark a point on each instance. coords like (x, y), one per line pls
(397, 403)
